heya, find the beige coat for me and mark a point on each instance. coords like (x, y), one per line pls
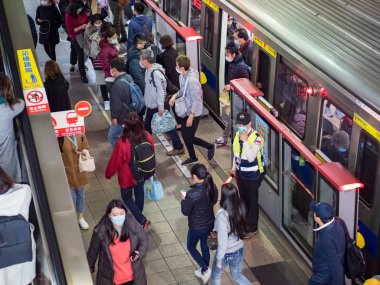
(70, 158)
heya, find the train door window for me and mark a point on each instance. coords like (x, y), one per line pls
(327, 193)
(195, 16)
(174, 9)
(298, 192)
(335, 133)
(208, 37)
(291, 98)
(367, 167)
(263, 73)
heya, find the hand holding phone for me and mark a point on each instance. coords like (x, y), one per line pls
(134, 256)
(183, 193)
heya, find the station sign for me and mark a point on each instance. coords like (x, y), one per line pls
(67, 123)
(33, 88)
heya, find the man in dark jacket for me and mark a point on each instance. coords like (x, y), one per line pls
(120, 99)
(138, 24)
(329, 248)
(133, 67)
(245, 45)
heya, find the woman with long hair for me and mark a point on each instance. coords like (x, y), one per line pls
(120, 243)
(230, 225)
(133, 134)
(10, 107)
(198, 204)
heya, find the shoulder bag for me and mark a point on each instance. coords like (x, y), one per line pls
(180, 103)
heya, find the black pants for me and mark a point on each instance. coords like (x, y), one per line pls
(50, 50)
(77, 54)
(148, 119)
(104, 92)
(188, 135)
(249, 193)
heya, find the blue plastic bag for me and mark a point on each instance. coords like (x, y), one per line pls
(163, 124)
(153, 189)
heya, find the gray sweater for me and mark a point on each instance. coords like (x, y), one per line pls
(193, 92)
(226, 243)
(155, 94)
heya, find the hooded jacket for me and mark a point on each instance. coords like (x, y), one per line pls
(138, 24)
(106, 53)
(155, 93)
(134, 69)
(192, 90)
(200, 212)
(99, 247)
(237, 68)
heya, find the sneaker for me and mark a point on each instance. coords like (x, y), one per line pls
(175, 152)
(205, 276)
(83, 224)
(189, 161)
(211, 152)
(146, 225)
(106, 105)
(72, 69)
(251, 234)
(220, 141)
(84, 79)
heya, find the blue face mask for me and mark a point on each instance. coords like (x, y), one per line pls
(341, 149)
(118, 220)
(242, 129)
(79, 10)
(114, 41)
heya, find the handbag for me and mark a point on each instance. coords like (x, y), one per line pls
(164, 123)
(180, 103)
(86, 162)
(153, 189)
(212, 240)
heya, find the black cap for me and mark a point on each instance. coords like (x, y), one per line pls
(243, 118)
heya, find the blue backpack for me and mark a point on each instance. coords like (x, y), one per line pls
(137, 98)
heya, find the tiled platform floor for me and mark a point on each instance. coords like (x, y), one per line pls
(168, 261)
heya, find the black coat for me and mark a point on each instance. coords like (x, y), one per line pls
(168, 61)
(56, 92)
(48, 29)
(119, 94)
(200, 212)
(237, 68)
(99, 247)
(246, 51)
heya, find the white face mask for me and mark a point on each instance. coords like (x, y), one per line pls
(118, 220)
(97, 25)
(142, 65)
(114, 41)
(178, 70)
(237, 43)
(229, 59)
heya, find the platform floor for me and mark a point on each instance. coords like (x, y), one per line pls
(269, 258)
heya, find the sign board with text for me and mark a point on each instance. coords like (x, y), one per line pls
(67, 123)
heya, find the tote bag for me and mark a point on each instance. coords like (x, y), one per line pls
(180, 103)
(153, 189)
(163, 124)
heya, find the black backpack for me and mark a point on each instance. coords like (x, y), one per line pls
(15, 241)
(354, 263)
(143, 161)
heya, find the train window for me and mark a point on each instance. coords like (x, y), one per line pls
(208, 37)
(195, 17)
(180, 45)
(263, 74)
(291, 98)
(173, 9)
(367, 167)
(335, 133)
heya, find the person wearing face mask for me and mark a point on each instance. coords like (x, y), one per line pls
(337, 148)
(236, 69)
(49, 20)
(119, 244)
(245, 45)
(248, 167)
(108, 49)
(139, 23)
(132, 66)
(76, 23)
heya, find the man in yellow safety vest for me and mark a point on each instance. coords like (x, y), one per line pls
(248, 167)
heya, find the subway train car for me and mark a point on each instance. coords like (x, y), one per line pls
(318, 65)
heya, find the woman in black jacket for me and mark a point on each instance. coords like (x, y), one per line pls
(198, 204)
(56, 87)
(49, 19)
(120, 243)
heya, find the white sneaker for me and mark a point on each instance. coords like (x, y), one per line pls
(106, 105)
(205, 276)
(83, 224)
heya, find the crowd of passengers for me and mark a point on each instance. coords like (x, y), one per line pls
(120, 58)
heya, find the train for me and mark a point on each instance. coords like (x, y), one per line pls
(318, 65)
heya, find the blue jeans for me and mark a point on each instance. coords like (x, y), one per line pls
(193, 237)
(176, 141)
(135, 206)
(235, 261)
(114, 133)
(79, 199)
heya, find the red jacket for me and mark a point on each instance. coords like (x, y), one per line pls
(72, 23)
(107, 52)
(120, 160)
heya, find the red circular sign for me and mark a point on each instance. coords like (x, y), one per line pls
(83, 108)
(35, 96)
